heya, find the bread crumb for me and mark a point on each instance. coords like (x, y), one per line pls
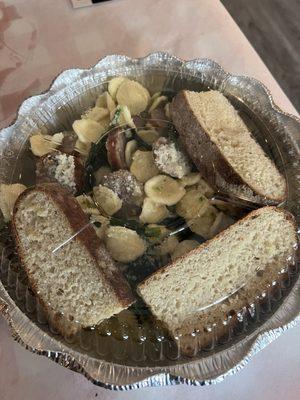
(170, 159)
(65, 171)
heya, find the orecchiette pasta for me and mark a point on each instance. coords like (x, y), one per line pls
(124, 244)
(153, 212)
(143, 166)
(163, 189)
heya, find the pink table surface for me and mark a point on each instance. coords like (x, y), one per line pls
(39, 39)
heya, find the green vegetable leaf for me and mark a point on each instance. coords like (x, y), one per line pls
(97, 157)
(116, 116)
(152, 232)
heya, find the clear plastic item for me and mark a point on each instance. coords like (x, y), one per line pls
(204, 301)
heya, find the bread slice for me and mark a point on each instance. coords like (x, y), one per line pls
(78, 283)
(223, 149)
(202, 288)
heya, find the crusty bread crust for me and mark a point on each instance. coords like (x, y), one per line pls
(207, 157)
(87, 237)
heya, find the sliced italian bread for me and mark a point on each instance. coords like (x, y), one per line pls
(223, 149)
(221, 276)
(70, 271)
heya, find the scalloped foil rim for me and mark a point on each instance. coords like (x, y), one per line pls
(255, 342)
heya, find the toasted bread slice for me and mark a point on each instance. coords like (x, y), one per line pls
(223, 149)
(69, 270)
(204, 286)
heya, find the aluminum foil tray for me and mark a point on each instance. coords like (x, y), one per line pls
(116, 361)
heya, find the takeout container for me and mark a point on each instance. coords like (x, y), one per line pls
(128, 351)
